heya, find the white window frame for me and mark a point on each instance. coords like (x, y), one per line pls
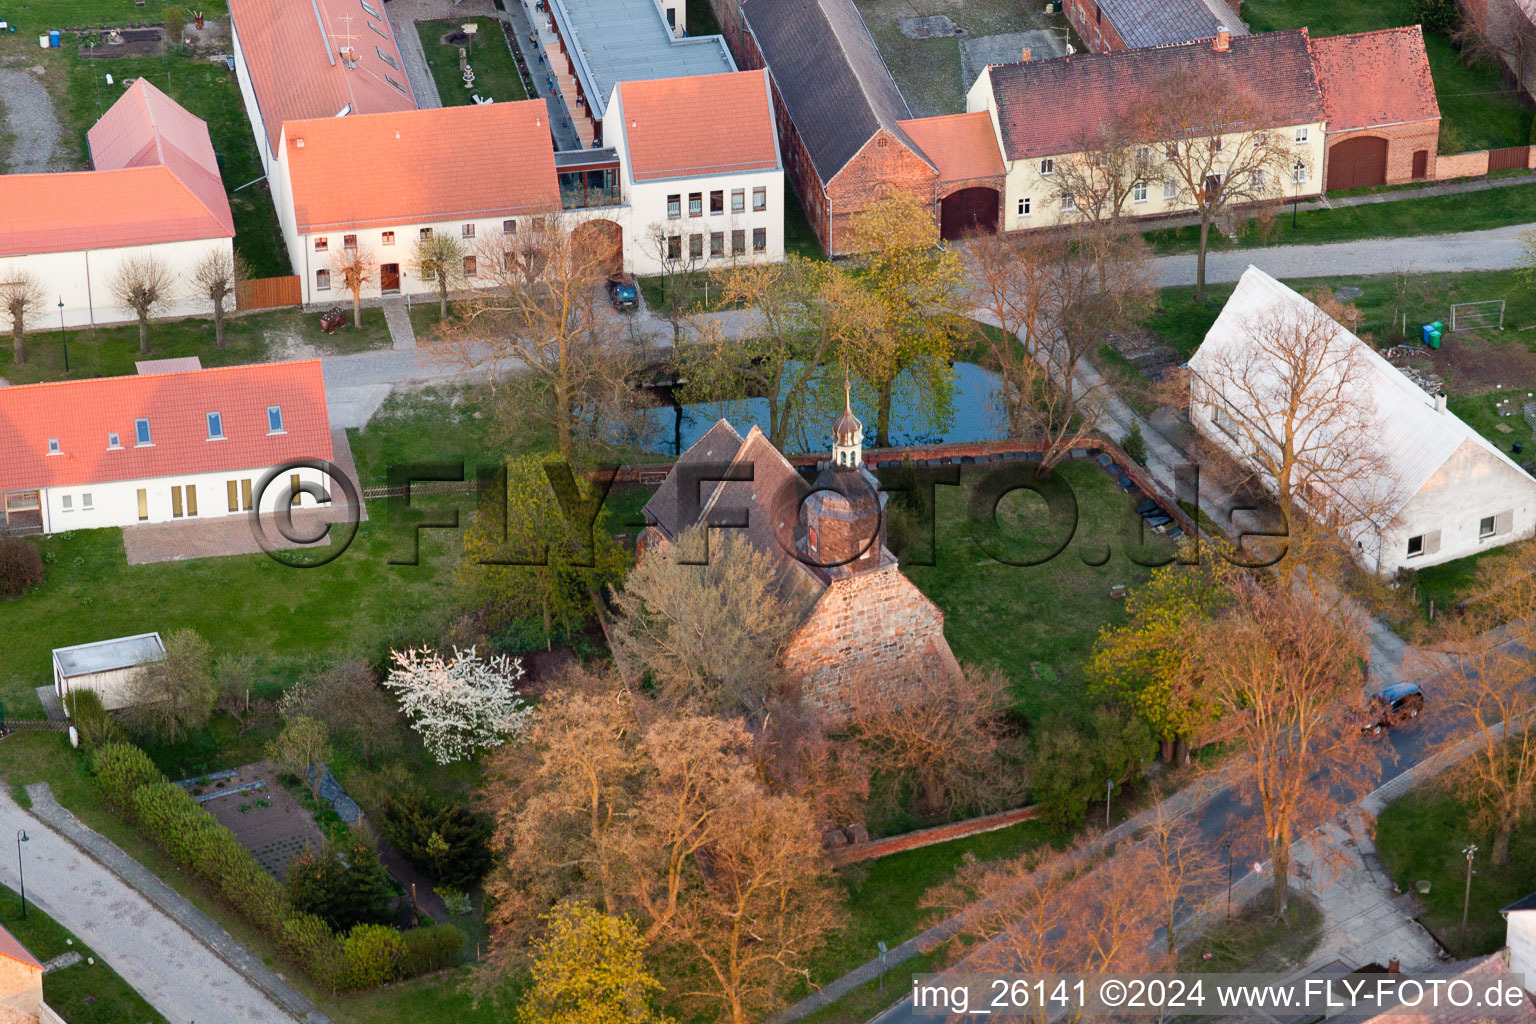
(1412, 553)
(86, 505)
(1068, 203)
(1047, 167)
(53, 447)
(1300, 172)
(143, 437)
(1303, 133)
(1483, 534)
(1026, 206)
(114, 440)
(1170, 190)
(1139, 192)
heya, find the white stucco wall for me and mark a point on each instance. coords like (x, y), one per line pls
(1520, 936)
(83, 280)
(252, 108)
(117, 503)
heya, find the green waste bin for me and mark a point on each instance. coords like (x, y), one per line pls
(1434, 339)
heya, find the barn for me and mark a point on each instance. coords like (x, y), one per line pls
(108, 667)
(1383, 119)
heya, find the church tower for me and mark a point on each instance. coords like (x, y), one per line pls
(843, 530)
(847, 435)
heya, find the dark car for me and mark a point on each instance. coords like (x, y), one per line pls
(622, 292)
(1398, 703)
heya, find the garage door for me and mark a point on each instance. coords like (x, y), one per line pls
(968, 212)
(1357, 163)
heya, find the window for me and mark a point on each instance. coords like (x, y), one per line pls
(371, 9)
(1256, 180)
(695, 204)
(66, 503)
(759, 239)
(1415, 545)
(141, 432)
(1026, 206)
(378, 31)
(114, 441)
(1485, 527)
(85, 502)
(467, 231)
(293, 488)
(759, 199)
(674, 247)
(717, 243)
(471, 266)
(386, 58)
(426, 233)
(509, 227)
(1299, 172)
(1170, 189)
(274, 419)
(394, 83)
(674, 207)
(1301, 134)
(322, 244)
(1143, 155)
(716, 202)
(738, 242)
(1216, 144)
(1260, 140)
(322, 280)
(1047, 167)
(738, 200)
(1068, 203)
(53, 446)
(215, 427)
(1139, 192)
(695, 246)
(349, 241)
(387, 238)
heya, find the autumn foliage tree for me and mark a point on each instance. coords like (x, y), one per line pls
(21, 303)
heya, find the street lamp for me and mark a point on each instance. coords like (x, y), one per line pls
(1466, 900)
(21, 837)
(62, 336)
(1226, 844)
(1109, 791)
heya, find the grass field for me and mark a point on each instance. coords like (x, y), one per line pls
(38, 16)
(496, 73)
(253, 338)
(1478, 110)
(1254, 940)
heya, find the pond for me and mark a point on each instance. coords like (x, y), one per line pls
(974, 415)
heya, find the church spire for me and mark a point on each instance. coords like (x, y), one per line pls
(847, 434)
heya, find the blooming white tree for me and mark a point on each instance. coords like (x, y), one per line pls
(459, 704)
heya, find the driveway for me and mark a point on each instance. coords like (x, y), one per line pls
(176, 973)
(29, 121)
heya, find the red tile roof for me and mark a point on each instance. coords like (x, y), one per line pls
(962, 145)
(156, 180)
(82, 413)
(422, 165)
(703, 124)
(1044, 107)
(292, 53)
(1372, 79)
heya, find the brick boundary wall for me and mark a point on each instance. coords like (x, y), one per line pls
(1461, 165)
(876, 848)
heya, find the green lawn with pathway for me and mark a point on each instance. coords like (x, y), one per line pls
(496, 73)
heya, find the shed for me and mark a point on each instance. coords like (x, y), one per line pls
(109, 667)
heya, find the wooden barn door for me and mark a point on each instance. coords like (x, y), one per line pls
(1360, 162)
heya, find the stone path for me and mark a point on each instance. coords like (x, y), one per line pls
(416, 69)
(30, 122)
(398, 316)
(172, 954)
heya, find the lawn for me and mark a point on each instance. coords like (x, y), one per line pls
(250, 338)
(35, 17)
(1477, 108)
(1253, 939)
(1038, 623)
(83, 993)
(1422, 836)
(425, 426)
(496, 73)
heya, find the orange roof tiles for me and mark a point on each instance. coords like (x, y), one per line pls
(702, 124)
(419, 166)
(292, 53)
(1373, 79)
(963, 146)
(82, 413)
(156, 180)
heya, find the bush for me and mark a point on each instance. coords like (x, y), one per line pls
(344, 883)
(1071, 763)
(1442, 16)
(446, 840)
(307, 940)
(372, 955)
(21, 566)
(121, 768)
(1134, 445)
(92, 721)
(431, 948)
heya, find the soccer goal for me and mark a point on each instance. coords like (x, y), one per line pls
(1471, 316)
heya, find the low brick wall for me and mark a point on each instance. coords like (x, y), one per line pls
(930, 836)
(1461, 165)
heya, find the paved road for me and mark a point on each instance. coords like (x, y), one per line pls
(175, 972)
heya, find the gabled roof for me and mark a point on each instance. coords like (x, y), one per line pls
(11, 947)
(1414, 438)
(418, 166)
(156, 180)
(706, 124)
(1523, 903)
(1165, 22)
(838, 91)
(668, 507)
(81, 414)
(963, 146)
(1372, 79)
(1045, 107)
(293, 54)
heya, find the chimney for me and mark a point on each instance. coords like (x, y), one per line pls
(1223, 41)
(1440, 402)
(1026, 54)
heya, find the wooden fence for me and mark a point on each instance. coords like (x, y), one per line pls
(268, 293)
(1508, 159)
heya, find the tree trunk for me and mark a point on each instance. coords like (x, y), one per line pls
(442, 296)
(1180, 752)
(357, 308)
(143, 335)
(1280, 859)
(883, 417)
(218, 323)
(18, 343)
(1165, 748)
(1205, 237)
(549, 626)
(1500, 855)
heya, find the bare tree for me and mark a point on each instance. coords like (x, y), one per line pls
(216, 277)
(347, 699)
(143, 284)
(1181, 874)
(21, 301)
(354, 265)
(1219, 147)
(1110, 161)
(439, 257)
(681, 267)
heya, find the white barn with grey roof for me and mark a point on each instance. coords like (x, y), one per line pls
(1443, 492)
(110, 668)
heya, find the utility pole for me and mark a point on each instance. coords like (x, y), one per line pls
(1109, 792)
(1226, 844)
(1466, 899)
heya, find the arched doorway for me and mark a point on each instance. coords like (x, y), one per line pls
(604, 240)
(970, 211)
(1357, 163)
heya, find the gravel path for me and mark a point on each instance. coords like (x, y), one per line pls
(29, 121)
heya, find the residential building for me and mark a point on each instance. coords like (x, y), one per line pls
(1379, 100)
(302, 59)
(700, 172)
(21, 985)
(866, 620)
(1106, 25)
(154, 192)
(108, 668)
(1043, 110)
(1436, 490)
(380, 182)
(118, 451)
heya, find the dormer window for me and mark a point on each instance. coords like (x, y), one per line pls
(215, 426)
(274, 419)
(141, 432)
(53, 446)
(114, 441)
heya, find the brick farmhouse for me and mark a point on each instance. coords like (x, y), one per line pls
(1379, 99)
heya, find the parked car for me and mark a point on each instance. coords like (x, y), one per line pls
(1398, 703)
(622, 292)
